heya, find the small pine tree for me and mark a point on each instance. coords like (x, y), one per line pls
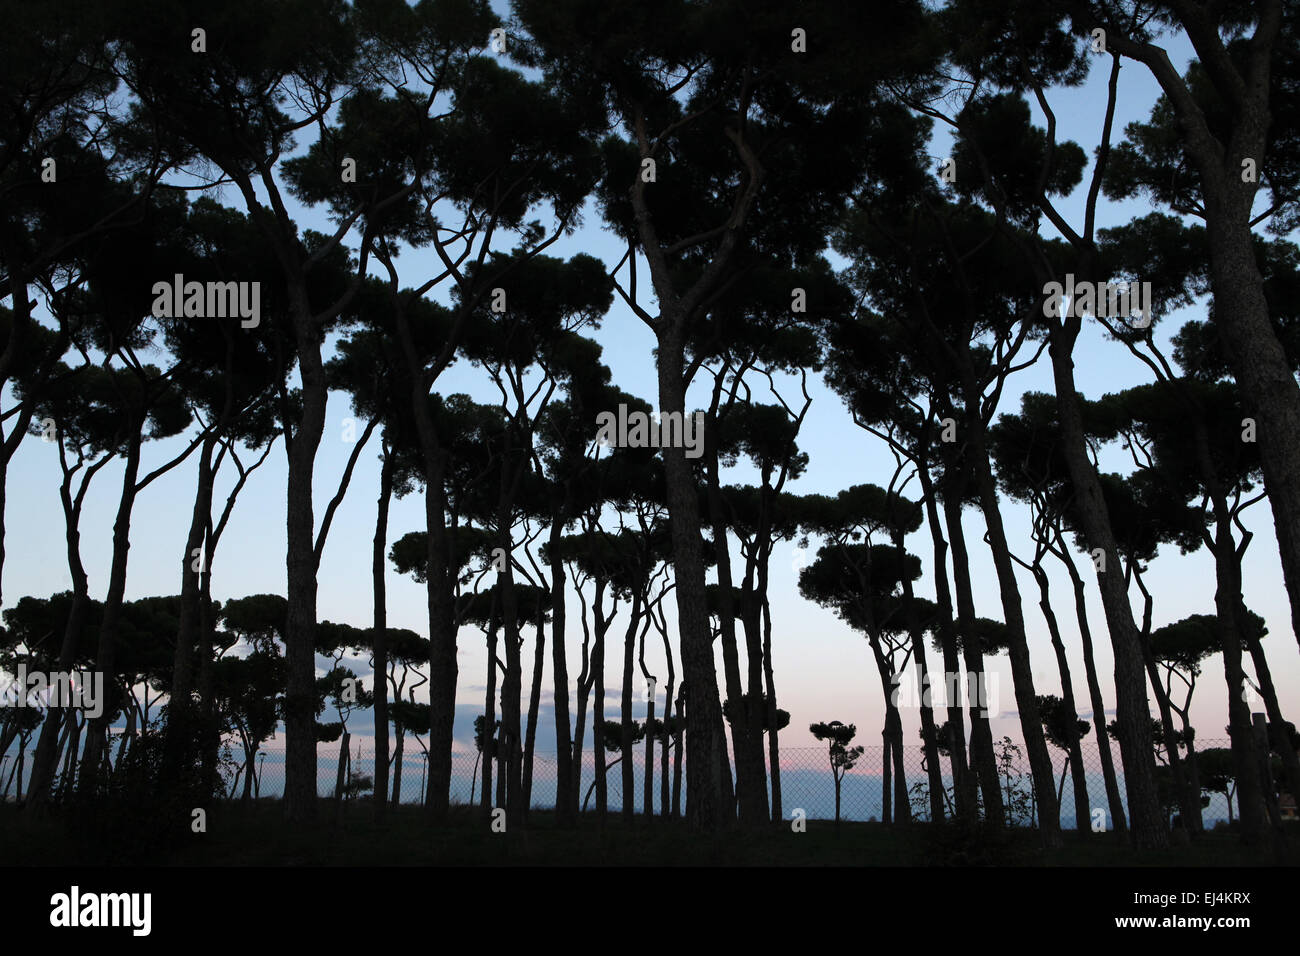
(842, 756)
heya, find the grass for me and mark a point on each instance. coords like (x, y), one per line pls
(256, 835)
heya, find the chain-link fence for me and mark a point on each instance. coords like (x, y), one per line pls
(806, 779)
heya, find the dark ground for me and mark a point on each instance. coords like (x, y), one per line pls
(256, 835)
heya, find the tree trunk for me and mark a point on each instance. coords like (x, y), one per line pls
(1132, 711)
(1290, 759)
(586, 677)
(629, 647)
(95, 754)
(1189, 804)
(378, 568)
(598, 716)
(209, 730)
(886, 778)
(934, 774)
(490, 713)
(1117, 815)
(751, 778)
(340, 781)
(512, 682)
(180, 731)
(534, 705)
(706, 808)
(300, 798)
(45, 758)
(400, 733)
(964, 781)
(1250, 796)
(1022, 671)
(981, 737)
(677, 752)
(773, 745)
(1082, 811)
(902, 799)
(566, 800)
(648, 774)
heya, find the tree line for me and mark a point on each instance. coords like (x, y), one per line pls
(736, 151)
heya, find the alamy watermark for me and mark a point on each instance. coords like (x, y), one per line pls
(83, 690)
(208, 300)
(1102, 299)
(645, 430)
(982, 692)
(77, 909)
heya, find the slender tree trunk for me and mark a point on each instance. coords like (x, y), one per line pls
(67, 786)
(378, 568)
(490, 712)
(534, 705)
(598, 716)
(399, 732)
(179, 720)
(886, 779)
(94, 755)
(934, 773)
(1075, 751)
(678, 744)
(648, 774)
(706, 808)
(1188, 801)
(981, 737)
(1022, 671)
(443, 670)
(209, 726)
(773, 744)
(46, 759)
(902, 799)
(965, 782)
(751, 779)
(629, 647)
(512, 682)
(566, 800)
(300, 798)
(501, 752)
(1246, 759)
(1117, 815)
(586, 677)
(1290, 760)
(1132, 711)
